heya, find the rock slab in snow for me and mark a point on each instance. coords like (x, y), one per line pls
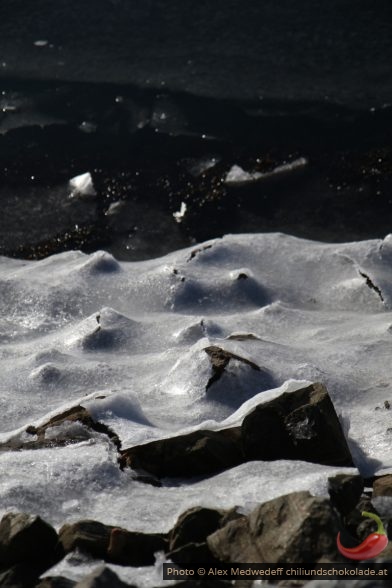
(196, 454)
(300, 425)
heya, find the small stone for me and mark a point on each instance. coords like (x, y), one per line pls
(220, 359)
(88, 536)
(383, 486)
(134, 549)
(194, 526)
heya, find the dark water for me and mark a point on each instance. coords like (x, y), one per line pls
(141, 94)
(338, 50)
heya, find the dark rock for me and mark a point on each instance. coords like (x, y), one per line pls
(88, 536)
(134, 549)
(296, 528)
(55, 582)
(28, 540)
(192, 553)
(19, 576)
(112, 544)
(300, 425)
(195, 454)
(345, 490)
(75, 414)
(383, 486)
(194, 526)
(219, 360)
(264, 435)
(102, 577)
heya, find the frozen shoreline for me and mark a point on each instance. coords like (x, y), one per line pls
(126, 340)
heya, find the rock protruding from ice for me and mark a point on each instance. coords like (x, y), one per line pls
(220, 359)
(71, 426)
(305, 525)
(300, 425)
(199, 453)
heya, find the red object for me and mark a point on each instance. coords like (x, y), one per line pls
(372, 546)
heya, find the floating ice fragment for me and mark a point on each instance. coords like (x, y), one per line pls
(115, 208)
(179, 215)
(198, 168)
(82, 185)
(237, 175)
(7, 108)
(41, 43)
